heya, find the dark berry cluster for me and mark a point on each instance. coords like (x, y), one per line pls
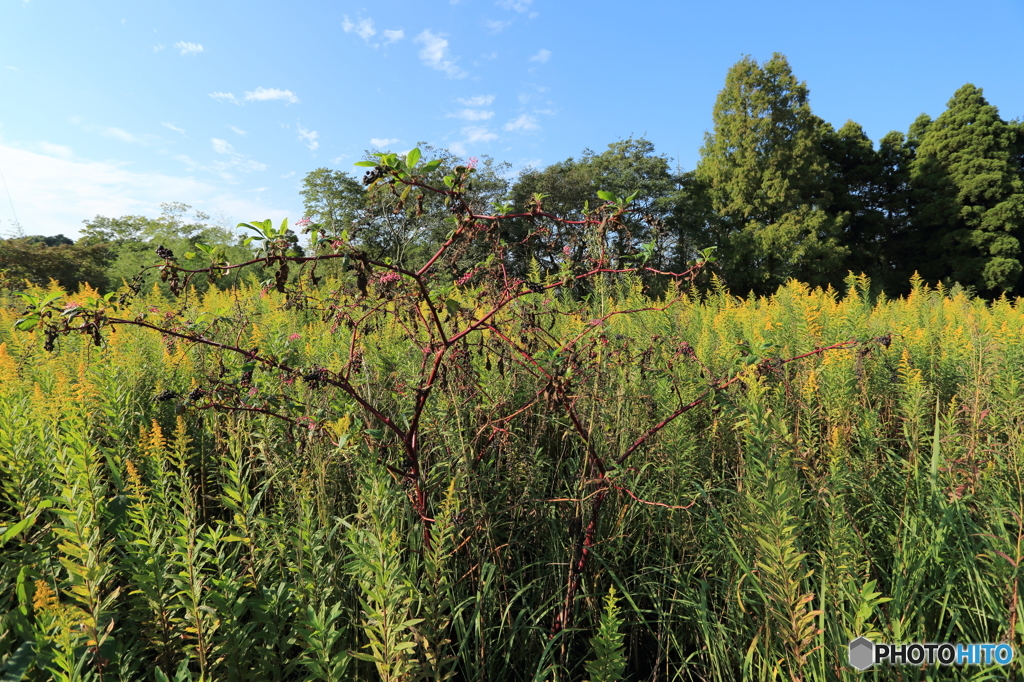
(884, 341)
(196, 394)
(164, 396)
(246, 379)
(315, 377)
(373, 175)
(687, 350)
(165, 253)
(51, 336)
(534, 287)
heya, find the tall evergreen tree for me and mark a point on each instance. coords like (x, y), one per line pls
(970, 195)
(768, 179)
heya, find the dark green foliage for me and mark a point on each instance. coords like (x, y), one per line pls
(40, 259)
(769, 181)
(969, 196)
(568, 187)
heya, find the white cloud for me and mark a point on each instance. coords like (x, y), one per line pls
(435, 54)
(58, 150)
(495, 26)
(361, 27)
(265, 94)
(159, 47)
(393, 36)
(382, 142)
(188, 48)
(473, 115)
(55, 194)
(122, 135)
(171, 126)
(490, 55)
(225, 97)
(542, 56)
(309, 136)
(224, 167)
(13, 68)
(479, 135)
(524, 122)
(516, 5)
(288, 175)
(237, 131)
(478, 101)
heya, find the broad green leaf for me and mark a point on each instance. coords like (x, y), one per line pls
(367, 164)
(26, 323)
(606, 195)
(431, 165)
(413, 158)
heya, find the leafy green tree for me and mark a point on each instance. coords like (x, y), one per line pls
(872, 187)
(39, 259)
(333, 199)
(406, 228)
(132, 240)
(769, 178)
(970, 196)
(626, 167)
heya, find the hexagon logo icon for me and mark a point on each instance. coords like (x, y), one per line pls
(862, 653)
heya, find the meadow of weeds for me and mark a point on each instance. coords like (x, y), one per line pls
(383, 480)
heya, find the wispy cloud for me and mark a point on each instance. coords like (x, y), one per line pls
(225, 97)
(237, 131)
(393, 36)
(496, 26)
(473, 115)
(12, 68)
(477, 101)
(58, 150)
(188, 48)
(515, 5)
(542, 56)
(435, 54)
(361, 27)
(234, 162)
(473, 135)
(479, 135)
(122, 135)
(309, 136)
(266, 94)
(382, 142)
(171, 126)
(158, 47)
(525, 123)
(55, 192)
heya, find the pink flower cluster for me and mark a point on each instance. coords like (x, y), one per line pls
(303, 222)
(389, 277)
(471, 162)
(465, 278)
(294, 337)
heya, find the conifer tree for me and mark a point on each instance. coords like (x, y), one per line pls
(970, 196)
(769, 180)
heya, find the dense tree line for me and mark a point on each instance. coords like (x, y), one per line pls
(780, 192)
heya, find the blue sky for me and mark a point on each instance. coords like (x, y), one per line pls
(112, 107)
